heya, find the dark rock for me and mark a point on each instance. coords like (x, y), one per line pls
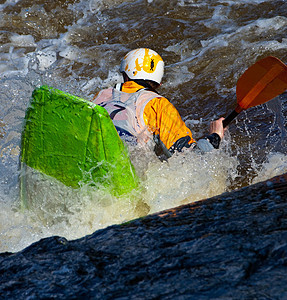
(233, 246)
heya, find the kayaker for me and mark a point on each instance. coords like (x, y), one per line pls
(138, 110)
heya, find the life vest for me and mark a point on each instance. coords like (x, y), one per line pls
(126, 110)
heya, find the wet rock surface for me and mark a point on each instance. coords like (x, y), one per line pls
(233, 246)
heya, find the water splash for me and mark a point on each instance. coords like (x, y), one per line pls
(206, 46)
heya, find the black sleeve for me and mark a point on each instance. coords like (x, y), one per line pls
(160, 148)
(214, 140)
(180, 144)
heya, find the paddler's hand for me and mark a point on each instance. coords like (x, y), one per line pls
(217, 127)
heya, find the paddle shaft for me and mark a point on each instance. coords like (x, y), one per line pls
(229, 118)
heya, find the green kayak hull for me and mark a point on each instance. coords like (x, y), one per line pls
(75, 141)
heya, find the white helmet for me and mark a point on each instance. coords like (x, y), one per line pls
(143, 64)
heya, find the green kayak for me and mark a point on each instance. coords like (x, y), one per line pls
(74, 141)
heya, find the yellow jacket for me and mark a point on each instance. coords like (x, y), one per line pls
(160, 117)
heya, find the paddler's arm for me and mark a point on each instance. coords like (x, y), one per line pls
(169, 130)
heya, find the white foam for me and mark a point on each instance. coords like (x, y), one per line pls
(178, 75)
(55, 209)
(95, 5)
(23, 40)
(187, 177)
(59, 210)
(8, 2)
(276, 164)
(275, 23)
(191, 123)
(70, 53)
(255, 28)
(15, 65)
(259, 26)
(45, 59)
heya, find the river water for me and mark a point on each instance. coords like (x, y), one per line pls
(76, 46)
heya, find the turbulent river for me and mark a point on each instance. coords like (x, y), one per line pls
(76, 46)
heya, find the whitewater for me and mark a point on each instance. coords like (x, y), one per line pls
(76, 46)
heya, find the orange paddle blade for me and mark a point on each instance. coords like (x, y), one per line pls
(260, 83)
